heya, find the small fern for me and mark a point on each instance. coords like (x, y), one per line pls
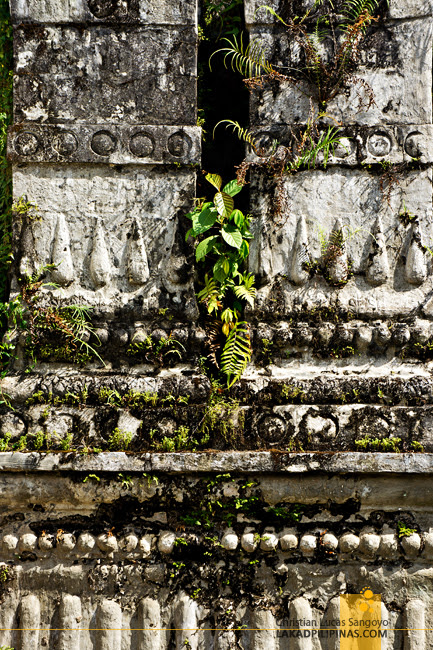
(246, 291)
(236, 353)
(326, 143)
(353, 9)
(243, 134)
(210, 295)
(250, 60)
(247, 136)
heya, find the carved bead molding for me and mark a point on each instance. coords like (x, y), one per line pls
(358, 144)
(105, 143)
(367, 545)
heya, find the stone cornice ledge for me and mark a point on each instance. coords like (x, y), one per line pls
(242, 461)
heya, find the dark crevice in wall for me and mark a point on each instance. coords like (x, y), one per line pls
(221, 92)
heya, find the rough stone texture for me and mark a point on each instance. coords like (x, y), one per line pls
(112, 74)
(119, 585)
(291, 496)
(322, 197)
(395, 61)
(113, 144)
(152, 12)
(101, 210)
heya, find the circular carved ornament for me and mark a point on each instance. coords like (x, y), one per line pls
(141, 144)
(65, 143)
(273, 429)
(103, 143)
(379, 144)
(344, 148)
(265, 144)
(102, 8)
(26, 143)
(413, 145)
(179, 144)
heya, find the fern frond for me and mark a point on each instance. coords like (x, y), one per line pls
(271, 11)
(246, 291)
(243, 134)
(250, 60)
(210, 295)
(236, 353)
(353, 9)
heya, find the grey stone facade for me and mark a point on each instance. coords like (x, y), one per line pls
(315, 478)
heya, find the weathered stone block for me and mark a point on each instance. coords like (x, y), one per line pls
(105, 75)
(154, 12)
(106, 143)
(110, 220)
(395, 9)
(353, 199)
(395, 60)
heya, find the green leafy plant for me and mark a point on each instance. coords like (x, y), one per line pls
(288, 513)
(4, 442)
(328, 43)
(61, 333)
(91, 477)
(227, 289)
(4, 573)
(127, 482)
(161, 352)
(181, 440)
(404, 531)
(66, 442)
(176, 568)
(119, 440)
(325, 77)
(151, 478)
(379, 444)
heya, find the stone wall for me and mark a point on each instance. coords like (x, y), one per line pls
(313, 477)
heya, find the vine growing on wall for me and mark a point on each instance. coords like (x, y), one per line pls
(227, 288)
(327, 40)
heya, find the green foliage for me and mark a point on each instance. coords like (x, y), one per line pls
(368, 443)
(4, 575)
(291, 513)
(59, 333)
(66, 442)
(4, 442)
(181, 440)
(312, 144)
(127, 482)
(354, 9)
(293, 393)
(249, 60)
(151, 479)
(220, 17)
(404, 531)
(91, 477)
(161, 352)
(236, 353)
(226, 288)
(214, 507)
(176, 568)
(329, 45)
(222, 416)
(119, 440)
